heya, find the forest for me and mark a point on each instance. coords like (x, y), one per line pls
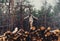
(13, 15)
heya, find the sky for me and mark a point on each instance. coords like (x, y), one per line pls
(38, 3)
